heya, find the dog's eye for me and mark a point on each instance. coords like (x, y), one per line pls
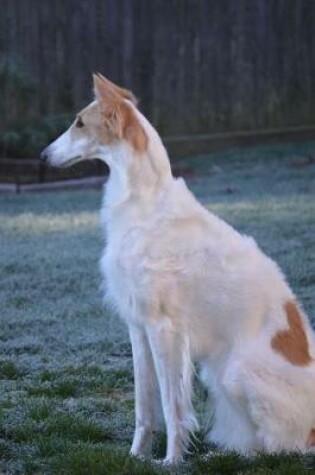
(79, 123)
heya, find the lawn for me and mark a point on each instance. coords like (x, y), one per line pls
(66, 385)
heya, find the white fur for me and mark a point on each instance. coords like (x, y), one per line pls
(191, 288)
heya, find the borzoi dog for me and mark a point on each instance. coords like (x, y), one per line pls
(191, 288)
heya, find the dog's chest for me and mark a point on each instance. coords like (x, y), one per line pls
(123, 268)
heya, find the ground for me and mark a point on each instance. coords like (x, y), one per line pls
(66, 385)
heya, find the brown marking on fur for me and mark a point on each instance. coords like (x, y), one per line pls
(133, 131)
(120, 121)
(311, 439)
(292, 343)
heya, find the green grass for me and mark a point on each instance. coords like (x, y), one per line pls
(66, 385)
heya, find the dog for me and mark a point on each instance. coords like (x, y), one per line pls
(192, 289)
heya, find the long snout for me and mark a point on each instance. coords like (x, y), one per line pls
(65, 151)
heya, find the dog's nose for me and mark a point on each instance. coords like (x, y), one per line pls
(44, 155)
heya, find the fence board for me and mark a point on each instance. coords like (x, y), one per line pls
(200, 66)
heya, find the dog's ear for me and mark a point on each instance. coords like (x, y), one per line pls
(110, 103)
(119, 120)
(104, 93)
(133, 131)
(124, 93)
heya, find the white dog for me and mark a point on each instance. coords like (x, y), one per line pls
(191, 288)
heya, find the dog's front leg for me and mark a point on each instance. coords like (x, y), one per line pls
(147, 397)
(171, 354)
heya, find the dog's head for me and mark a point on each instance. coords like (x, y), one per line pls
(111, 120)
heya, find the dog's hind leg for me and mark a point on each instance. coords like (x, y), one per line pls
(276, 397)
(171, 354)
(280, 400)
(147, 397)
(232, 428)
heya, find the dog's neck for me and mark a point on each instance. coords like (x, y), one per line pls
(137, 181)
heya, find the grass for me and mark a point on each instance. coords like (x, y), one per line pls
(66, 386)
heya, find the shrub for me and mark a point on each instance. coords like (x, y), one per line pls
(23, 133)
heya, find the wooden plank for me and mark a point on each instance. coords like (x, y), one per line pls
(199, 65)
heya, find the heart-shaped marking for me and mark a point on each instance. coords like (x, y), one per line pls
(292, 343)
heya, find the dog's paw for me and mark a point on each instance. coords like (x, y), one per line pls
(172, 460)
(139, 456)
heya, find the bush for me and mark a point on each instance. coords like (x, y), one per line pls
(28, 141)
(23, 133)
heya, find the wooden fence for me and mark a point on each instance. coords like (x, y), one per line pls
(199, 66)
